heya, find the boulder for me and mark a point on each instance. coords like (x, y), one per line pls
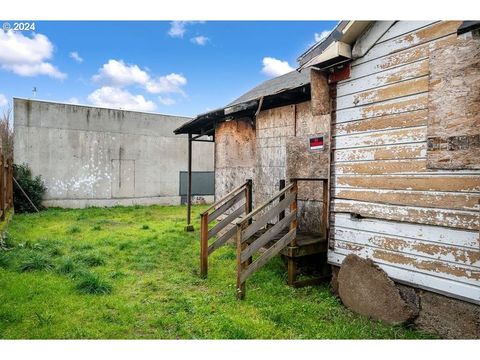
(367, 290)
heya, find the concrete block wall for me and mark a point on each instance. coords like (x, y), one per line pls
(92, 156)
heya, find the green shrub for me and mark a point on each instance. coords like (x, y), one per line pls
(145, 227)
(66, 266)
(35, 261)
(91, 259)
(4, 260)
(33, 187)
(90, 283)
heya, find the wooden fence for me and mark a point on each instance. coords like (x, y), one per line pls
(6, 185)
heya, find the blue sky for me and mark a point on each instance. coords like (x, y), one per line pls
(182, 68)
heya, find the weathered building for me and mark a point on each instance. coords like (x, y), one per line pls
(90, 156)
(395, 106)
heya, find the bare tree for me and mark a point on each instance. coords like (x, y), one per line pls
(6, 132)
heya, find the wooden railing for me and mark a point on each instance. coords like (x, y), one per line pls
(6, 186)
(264, 214)
(219, 208)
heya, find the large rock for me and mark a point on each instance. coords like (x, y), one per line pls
(366, 289)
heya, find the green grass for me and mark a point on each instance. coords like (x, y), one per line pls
(105, 273)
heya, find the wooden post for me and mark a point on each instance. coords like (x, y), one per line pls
(240, 265)
(249, 207)
(291, 264)
(189, 226)
(249, 198)
(281, 186)
(204, 245)
(2, 188)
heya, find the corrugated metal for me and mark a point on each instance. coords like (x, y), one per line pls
(421, 225)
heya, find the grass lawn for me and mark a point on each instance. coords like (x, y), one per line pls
(131, 272)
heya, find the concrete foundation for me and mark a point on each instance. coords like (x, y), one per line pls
(91, 156)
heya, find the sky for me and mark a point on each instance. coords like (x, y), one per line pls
(179, 68)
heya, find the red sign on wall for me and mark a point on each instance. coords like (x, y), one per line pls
(316, 143)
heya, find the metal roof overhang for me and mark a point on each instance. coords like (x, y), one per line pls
(205, 123)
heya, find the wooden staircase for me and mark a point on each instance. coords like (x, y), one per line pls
(268, 230)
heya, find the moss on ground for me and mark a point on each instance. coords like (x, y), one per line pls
(131, 272)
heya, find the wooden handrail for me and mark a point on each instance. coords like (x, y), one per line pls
(230, 194)
(250, 215)
(221, 207)
(245, 229)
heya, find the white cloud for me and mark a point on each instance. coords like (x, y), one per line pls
(274, 67)
(166, 100)
(113, 97)
(117, 73)
(322, 35)
(75, 56)
(3, 100)
(171, 83)
(200, 40)
(27, 56)
(179, 28)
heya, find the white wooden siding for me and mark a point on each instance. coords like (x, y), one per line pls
(420, 225)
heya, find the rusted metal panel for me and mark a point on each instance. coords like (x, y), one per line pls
(454, 107)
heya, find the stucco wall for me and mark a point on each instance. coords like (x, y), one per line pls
(102, 157)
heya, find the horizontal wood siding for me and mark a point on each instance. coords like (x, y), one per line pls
(420, 225)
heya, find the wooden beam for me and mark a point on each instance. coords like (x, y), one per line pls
(189, 226)
(228, 219)
(267, 236)
(270, 214)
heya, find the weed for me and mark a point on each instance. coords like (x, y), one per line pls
(96, 227)
(145, 227)
(4, 259)
(90, 283)
(91, 259)
(67, 266)
(43, 319)
(36, 261)
(73, 230)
